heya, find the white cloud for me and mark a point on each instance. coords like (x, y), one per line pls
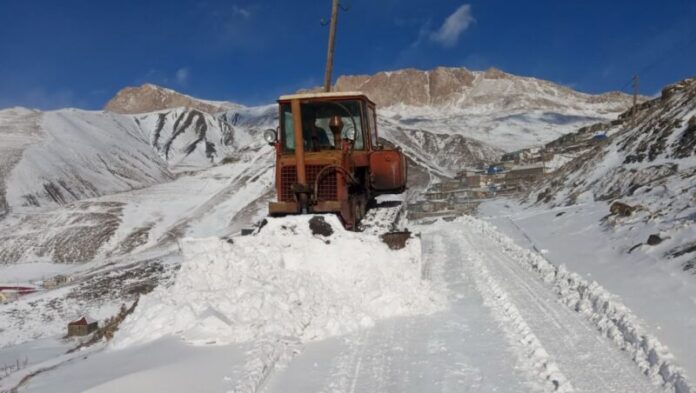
(243, 12)
(182, 75)
(448, 34)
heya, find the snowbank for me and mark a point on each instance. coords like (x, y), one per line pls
(611, 317)
(282, 282)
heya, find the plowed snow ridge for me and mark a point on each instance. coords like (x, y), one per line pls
(283, 282)
(613, 319)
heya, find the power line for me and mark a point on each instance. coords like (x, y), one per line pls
(653, 64)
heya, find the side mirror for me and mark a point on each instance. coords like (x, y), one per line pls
(270, 136)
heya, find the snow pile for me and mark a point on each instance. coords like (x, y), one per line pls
(612, 318)
(283, 282)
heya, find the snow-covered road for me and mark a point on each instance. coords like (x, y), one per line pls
(505, 327)
(504, 331)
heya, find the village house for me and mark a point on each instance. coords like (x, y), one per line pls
(82, 327)
(56, 281)
(528, 173)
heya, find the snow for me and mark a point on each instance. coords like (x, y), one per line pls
(548, 339)
(282, 282)
(461, 308)
(512, 321)
(558, 161)
(506, 128)
(167, 365)
(82, 154)
(660, 293)
(24, 273)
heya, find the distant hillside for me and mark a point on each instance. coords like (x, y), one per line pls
(648, 162)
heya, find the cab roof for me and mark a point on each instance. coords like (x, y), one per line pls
(332, 94)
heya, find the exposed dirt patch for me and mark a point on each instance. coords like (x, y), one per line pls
(135, 239)
(621, 209)
(654, 239)
(319, 226)
(396, 240)
(682, 250)
(121, 284)
(686, 145)
(73, 234)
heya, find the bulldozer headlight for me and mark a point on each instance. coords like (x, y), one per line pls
(270, 136)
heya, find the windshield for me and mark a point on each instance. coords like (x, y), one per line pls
(317, 121)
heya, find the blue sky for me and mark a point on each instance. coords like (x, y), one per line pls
(81, 52)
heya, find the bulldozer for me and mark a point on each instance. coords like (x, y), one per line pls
(329, 158)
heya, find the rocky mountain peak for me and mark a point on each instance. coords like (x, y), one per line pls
(458, 87)
(150, 97)
(494, 73)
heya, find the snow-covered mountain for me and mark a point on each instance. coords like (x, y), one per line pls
(58, 157)
(447, 119)
(477, 91)
(78, 184)
(649, 163)
(505, 111)
(189, 137)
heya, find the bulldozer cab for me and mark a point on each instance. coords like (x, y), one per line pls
(325, 125)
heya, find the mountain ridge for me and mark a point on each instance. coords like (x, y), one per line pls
(452, 86)
(150, 98)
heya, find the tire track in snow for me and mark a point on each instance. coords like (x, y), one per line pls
(613, 319)
(458, 349)
(533, 356)
(586, 357)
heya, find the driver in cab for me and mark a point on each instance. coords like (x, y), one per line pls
(314, 136)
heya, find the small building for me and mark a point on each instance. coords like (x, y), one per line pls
(56, 281)
(514, 156)
(527, 173)
(82, 327)
(599, 137)
(462, 175)
(477, 181)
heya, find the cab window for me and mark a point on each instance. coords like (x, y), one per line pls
(288, 126)
(373, 126)
(317, 118)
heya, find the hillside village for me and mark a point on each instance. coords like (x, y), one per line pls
(514, 175)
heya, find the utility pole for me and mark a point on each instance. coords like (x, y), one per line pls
(330, 52)
(634, 83)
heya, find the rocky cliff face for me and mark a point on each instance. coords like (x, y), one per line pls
(150, 98)
(461, 88)
(646, 146)
(648, 163)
